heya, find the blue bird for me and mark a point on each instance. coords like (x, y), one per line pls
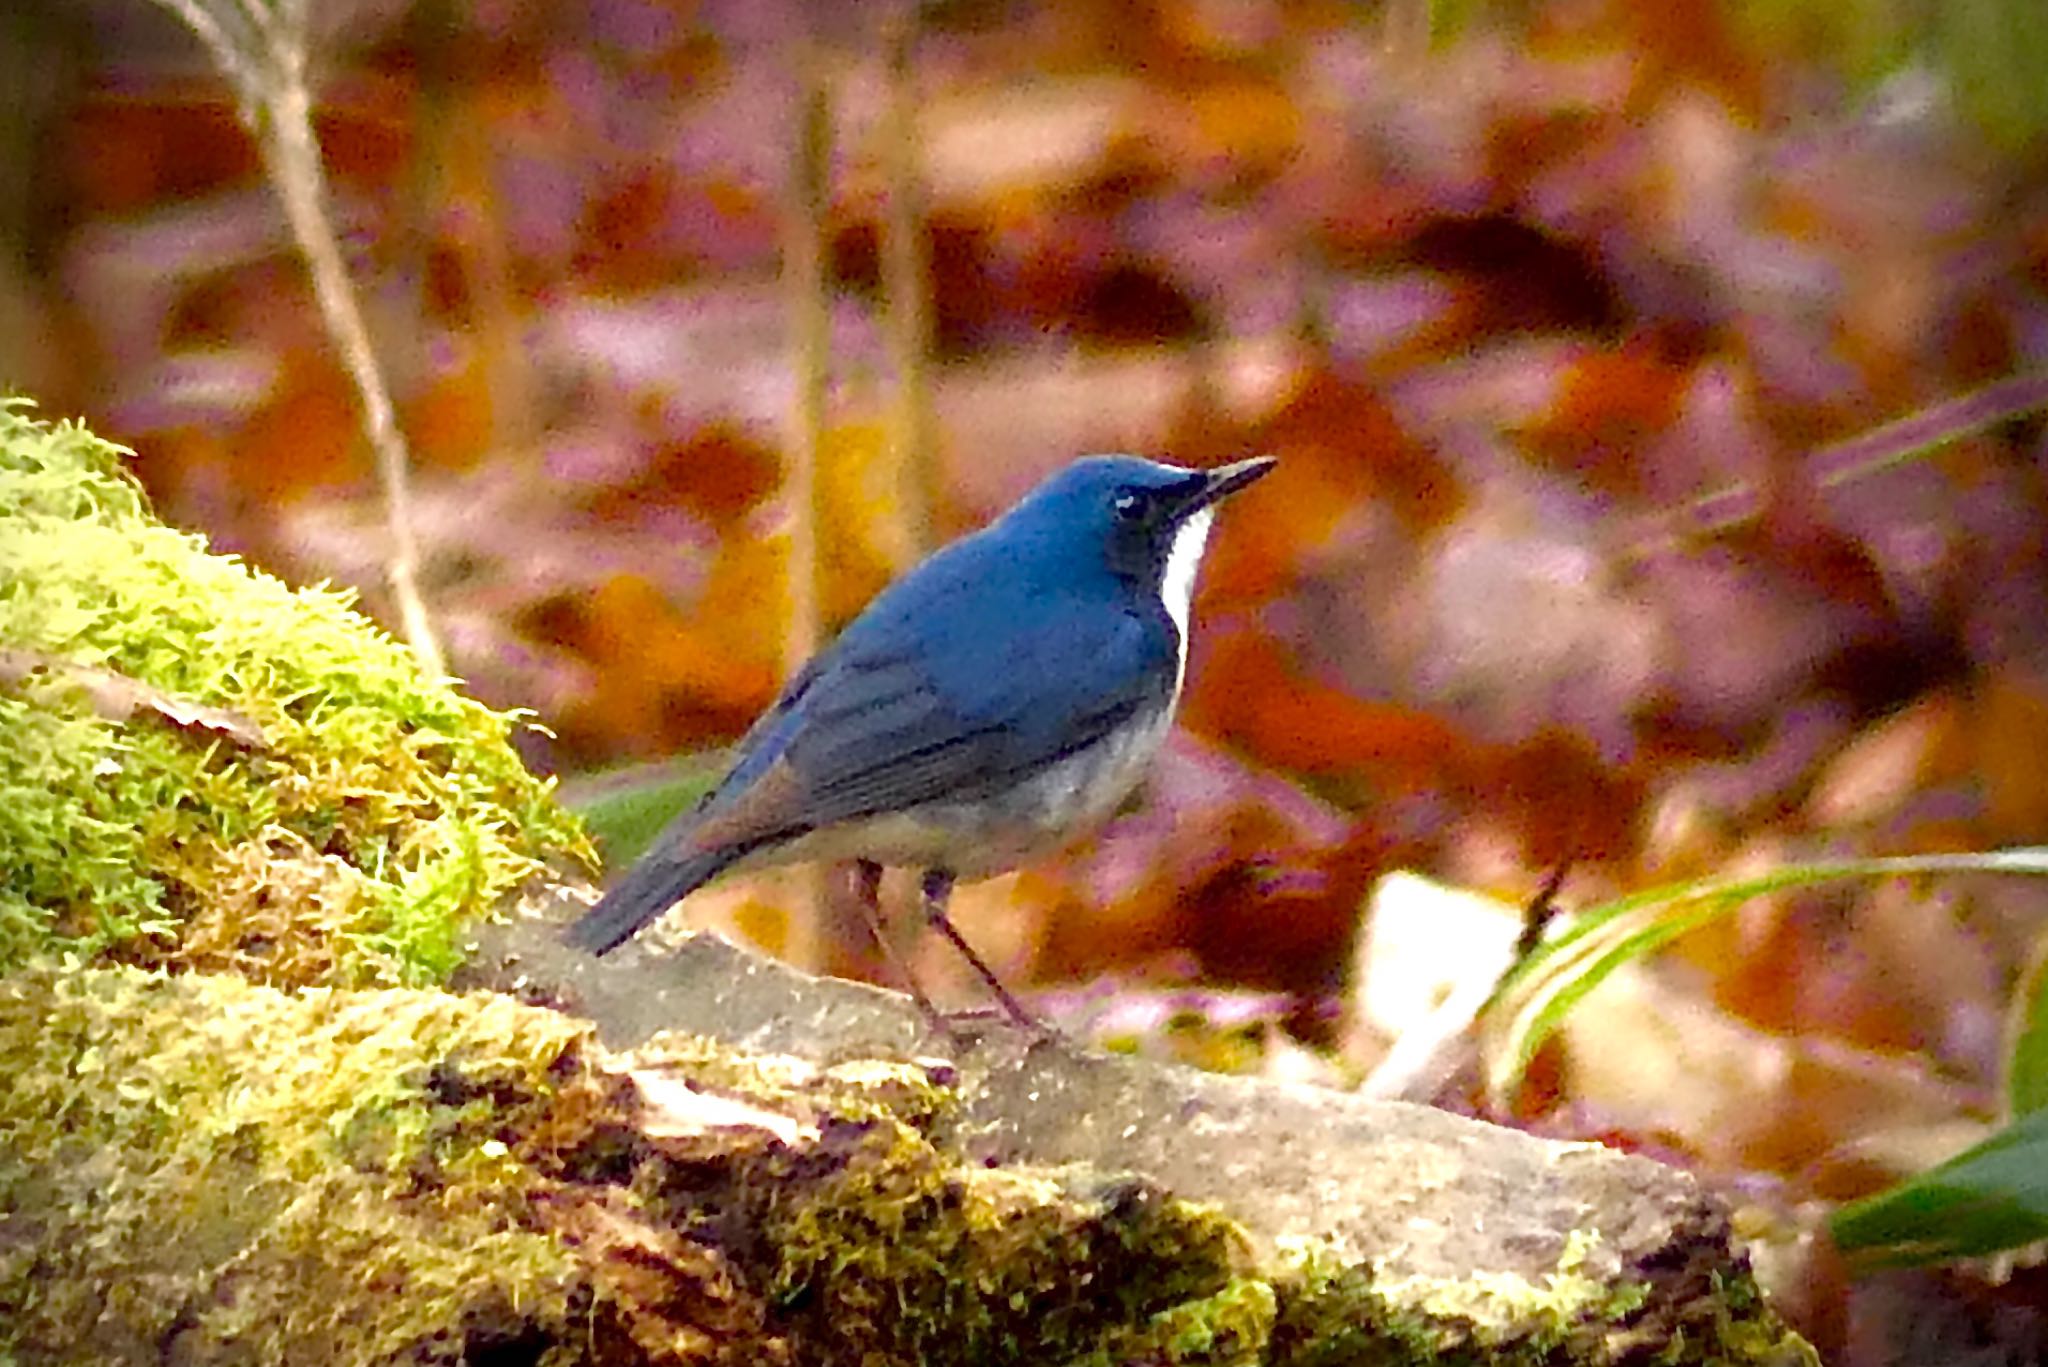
(1002, 697)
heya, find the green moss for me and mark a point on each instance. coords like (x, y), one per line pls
(874, 1244)
(380, 811)
(890, 1252)
(1229, 1329)
(1745, 1331)
(1335, 1313)
(337, 1177)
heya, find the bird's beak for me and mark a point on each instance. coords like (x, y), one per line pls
(1223, 481)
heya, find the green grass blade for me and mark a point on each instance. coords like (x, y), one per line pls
(2026, 1069)
(1989, 1198)
(1535, 997)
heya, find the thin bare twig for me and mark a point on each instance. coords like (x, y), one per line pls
(906, 281)
(810, 313)
(263, 52)
(804, 271)
(234, 53)
(1863, 456)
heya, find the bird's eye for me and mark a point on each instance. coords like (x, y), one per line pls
(1129, 507)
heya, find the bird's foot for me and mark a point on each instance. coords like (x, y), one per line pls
(974, 1025)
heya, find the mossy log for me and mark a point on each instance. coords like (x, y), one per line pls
(245, 1121)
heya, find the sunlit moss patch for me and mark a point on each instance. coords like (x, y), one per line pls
(364, 815)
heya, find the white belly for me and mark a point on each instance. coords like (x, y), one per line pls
(977, 839)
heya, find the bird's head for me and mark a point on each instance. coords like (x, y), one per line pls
(1142, 521)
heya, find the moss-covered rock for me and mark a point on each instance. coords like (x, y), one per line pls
(202, 767)
(1380, 1233)
(250, 1175)
(202, 1169)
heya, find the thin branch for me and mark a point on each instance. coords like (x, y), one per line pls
(804, 273)
(266, 63)
(1919, 434)
(810, 313)
(301, 182)
(906, 281)
(231, 52)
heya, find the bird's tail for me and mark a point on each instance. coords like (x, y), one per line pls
(649, 888)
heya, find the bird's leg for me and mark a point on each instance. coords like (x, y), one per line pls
(938, 888)
(867, 892)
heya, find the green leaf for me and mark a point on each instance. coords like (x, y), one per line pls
(1534, 998)
(2026, 1070)
(626, 808)
(1991, 1197)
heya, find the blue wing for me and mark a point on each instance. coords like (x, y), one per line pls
(949, 691)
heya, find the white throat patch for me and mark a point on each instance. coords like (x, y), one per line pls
(1177, 584)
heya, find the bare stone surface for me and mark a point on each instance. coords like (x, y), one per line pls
(1404, 1192)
